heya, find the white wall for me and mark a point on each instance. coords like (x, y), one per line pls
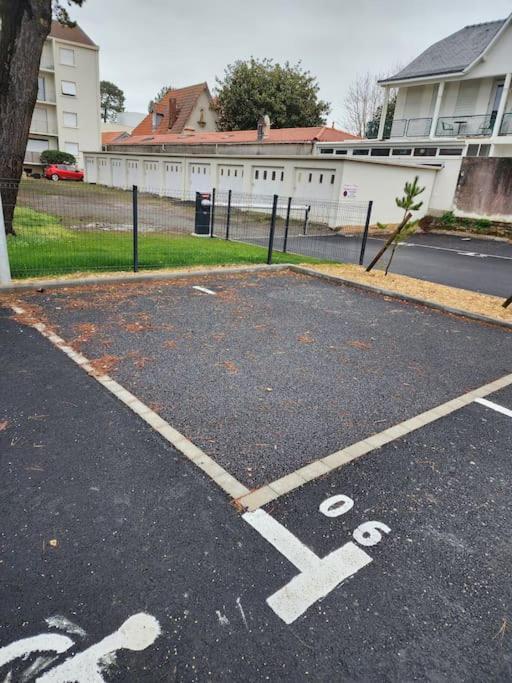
(343, 179)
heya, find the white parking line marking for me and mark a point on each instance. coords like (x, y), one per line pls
(203, 289)
(456, 251)
(318, 575)
(283, 540)
(494, 406)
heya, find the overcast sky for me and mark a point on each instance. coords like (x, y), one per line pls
(145, 44)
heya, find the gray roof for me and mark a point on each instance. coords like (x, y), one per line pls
(452, 54)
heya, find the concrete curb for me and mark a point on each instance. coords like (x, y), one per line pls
(140, 277)
(403, 297)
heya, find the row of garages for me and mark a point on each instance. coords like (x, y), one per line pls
(323, 183)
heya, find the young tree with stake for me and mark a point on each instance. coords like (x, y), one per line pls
(406, 227)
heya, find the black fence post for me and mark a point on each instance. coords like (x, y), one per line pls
(212, 214)
(365, 233)
(228, 217)
(272, 229)
(287, 224)
(135, 207)
(306, 216)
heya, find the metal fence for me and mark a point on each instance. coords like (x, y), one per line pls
(69, 227)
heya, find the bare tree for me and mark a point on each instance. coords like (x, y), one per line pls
(364, 99)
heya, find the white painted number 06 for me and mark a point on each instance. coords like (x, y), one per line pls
(368, 533)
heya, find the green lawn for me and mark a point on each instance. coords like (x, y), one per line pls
(43, 246)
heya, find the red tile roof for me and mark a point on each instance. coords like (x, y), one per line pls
(108, 137)
(75, 34)
(176, 107)
(283, 135)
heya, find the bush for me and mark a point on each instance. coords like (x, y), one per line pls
(482, 224)
(448, 218)
(55, 156)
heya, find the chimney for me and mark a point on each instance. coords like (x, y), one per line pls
(263, 128)
(173, 111)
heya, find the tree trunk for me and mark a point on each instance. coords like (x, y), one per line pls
(25, 26)
(507, 302)
(390, 239)
(391, 257)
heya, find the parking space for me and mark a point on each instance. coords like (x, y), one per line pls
(104, 523)
(268, 372)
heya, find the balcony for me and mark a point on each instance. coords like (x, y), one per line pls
(32, 157)
(478, 125)
(506, 125)
(43, 127)
(402, 128)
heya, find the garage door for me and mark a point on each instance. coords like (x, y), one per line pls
(199, 178)
(132, 172)
(152, 182)
(118, 179)
(90, 169)
(267, 180)
(173, 178)
(104, 171)
(314, 183)
(230, 178)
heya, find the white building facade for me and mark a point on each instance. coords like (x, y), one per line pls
(453, 101)
(67, 111)
(310, 178)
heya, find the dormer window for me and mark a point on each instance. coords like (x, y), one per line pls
(202, 119)
(157, 120)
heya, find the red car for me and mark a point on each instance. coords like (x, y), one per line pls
(63, 172)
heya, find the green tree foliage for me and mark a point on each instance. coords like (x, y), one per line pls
(163, 91)
(55, 156)
(253, 88)
(372, 127)
(112, 100)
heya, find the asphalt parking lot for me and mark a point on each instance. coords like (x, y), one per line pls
(105, 521)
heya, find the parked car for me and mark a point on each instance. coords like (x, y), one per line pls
(63, 172)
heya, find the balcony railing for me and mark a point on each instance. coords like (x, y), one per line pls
(506, 124)
(32, 157)
(478, 125)
(42, 126)
(402, 128)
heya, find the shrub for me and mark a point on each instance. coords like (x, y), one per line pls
(448, 218)
(482, 224)
(55, 156)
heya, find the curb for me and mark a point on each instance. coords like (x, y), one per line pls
(403, 297)
(139, 277)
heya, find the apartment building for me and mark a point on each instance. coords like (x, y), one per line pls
(453, 102)
(67, 112)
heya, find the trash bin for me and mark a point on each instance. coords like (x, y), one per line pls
(203, 209)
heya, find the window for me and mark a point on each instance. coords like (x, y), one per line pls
(71, 148)
(321, 178)
(235, 172)
(273, 175)
(264, 175)
(229, 171)
(41, 88)
(332, 179)
(341, 151)
(204, 170)
(256, 175)
(380, 151)
(222, 171)
(68, 88)
(282, 176)
(402, 152)
(326, 150)
(70, 119)
(425, 151)
(484, 150)
(67, 56)
(450, 151)
(361, 152)
(310, 177)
